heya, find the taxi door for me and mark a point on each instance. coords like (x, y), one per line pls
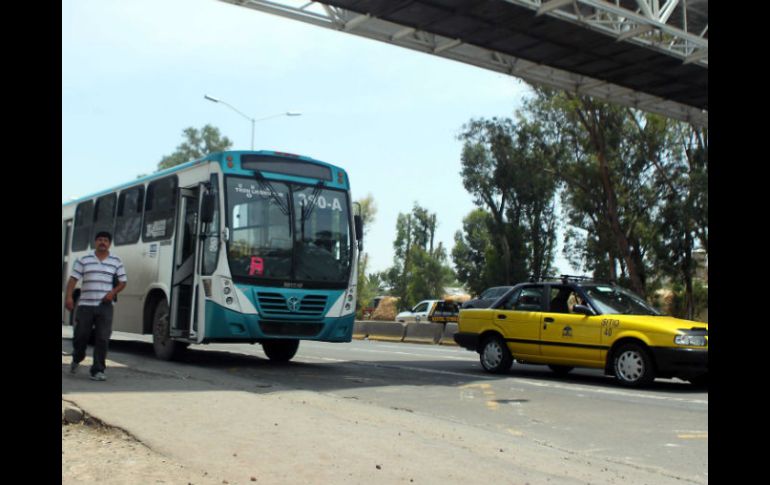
(567, 336)
(518, 319)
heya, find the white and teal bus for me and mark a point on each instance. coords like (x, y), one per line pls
(239, 246)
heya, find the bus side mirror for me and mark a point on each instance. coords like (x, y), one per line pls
(359, 223)
(207, 208)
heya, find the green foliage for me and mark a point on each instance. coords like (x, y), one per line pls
(368, 211)
(196, 144)
(419, 271)
(472, 252)
(609, 190)
(368, 285)
(679, 305)
(633, 189)
(503, 166)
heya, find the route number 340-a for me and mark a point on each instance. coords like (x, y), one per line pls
(608, 325)
(321, 202)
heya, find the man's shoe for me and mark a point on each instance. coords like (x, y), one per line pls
(74, 367)
(99, 376)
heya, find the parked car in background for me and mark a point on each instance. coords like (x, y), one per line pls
(418, 314)
(487, 297)
(445, 311)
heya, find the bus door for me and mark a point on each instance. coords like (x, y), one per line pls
(185, 315)
(66, 237)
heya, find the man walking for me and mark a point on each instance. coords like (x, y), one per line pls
(98, 271)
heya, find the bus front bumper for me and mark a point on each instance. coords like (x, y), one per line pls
(224, 325)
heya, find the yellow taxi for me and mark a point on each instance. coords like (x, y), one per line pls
(577, 322)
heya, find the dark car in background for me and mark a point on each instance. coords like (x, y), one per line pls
(487, 297)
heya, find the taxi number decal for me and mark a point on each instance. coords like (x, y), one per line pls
(609, 325)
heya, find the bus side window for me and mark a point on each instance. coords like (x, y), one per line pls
(160, 209)
(211, 245)
(128, 224)
(81, 234)
(104, 215)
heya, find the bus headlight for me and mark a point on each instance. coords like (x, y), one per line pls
(229, 292)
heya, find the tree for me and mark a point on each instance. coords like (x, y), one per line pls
(682, 172)
(474, 254)
(607, 175)
(367, 284)
(504, 169)
(634, 189)
(197, 144)
(419, 271)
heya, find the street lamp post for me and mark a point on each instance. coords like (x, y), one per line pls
(253, 120)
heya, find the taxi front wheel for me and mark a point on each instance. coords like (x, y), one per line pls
(633, 366)
(495, 356)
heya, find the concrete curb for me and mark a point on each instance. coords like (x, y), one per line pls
(388, 331)
(447, 337)
(360, 330)
(71, 414)
(423, 333)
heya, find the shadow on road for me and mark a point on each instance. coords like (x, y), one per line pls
(206, 369)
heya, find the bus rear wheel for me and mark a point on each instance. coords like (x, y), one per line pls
(164, 346)
(280, 350)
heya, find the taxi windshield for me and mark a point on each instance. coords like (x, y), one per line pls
(613, 300)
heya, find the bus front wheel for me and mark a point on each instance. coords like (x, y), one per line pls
(165, 347)
(280, 350)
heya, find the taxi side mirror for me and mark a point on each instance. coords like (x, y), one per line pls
(583, 310)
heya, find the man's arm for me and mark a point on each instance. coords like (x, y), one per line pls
(114, 292)
(70, 303)
(120, 274)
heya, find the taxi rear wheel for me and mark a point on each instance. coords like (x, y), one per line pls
(633, 366)
(495, 356)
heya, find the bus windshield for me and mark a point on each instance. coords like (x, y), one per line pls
(284, 232)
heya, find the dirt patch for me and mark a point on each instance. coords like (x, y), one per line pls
(94, 453)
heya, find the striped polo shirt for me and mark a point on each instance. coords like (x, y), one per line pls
(97, 277)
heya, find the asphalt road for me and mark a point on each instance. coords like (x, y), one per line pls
(662, 429)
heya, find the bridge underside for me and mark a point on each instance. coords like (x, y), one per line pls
(635, 58)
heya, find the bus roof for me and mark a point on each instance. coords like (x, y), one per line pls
(218, 157)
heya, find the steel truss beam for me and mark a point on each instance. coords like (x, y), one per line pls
(649, 25)
(319, 14)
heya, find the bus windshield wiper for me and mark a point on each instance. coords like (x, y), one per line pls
(308, 208)
(283, 205)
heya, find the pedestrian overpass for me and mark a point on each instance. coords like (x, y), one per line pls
(647, 54)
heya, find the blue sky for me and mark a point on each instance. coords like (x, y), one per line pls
(134, 73)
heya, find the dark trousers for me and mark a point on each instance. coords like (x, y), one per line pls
(97, 319)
